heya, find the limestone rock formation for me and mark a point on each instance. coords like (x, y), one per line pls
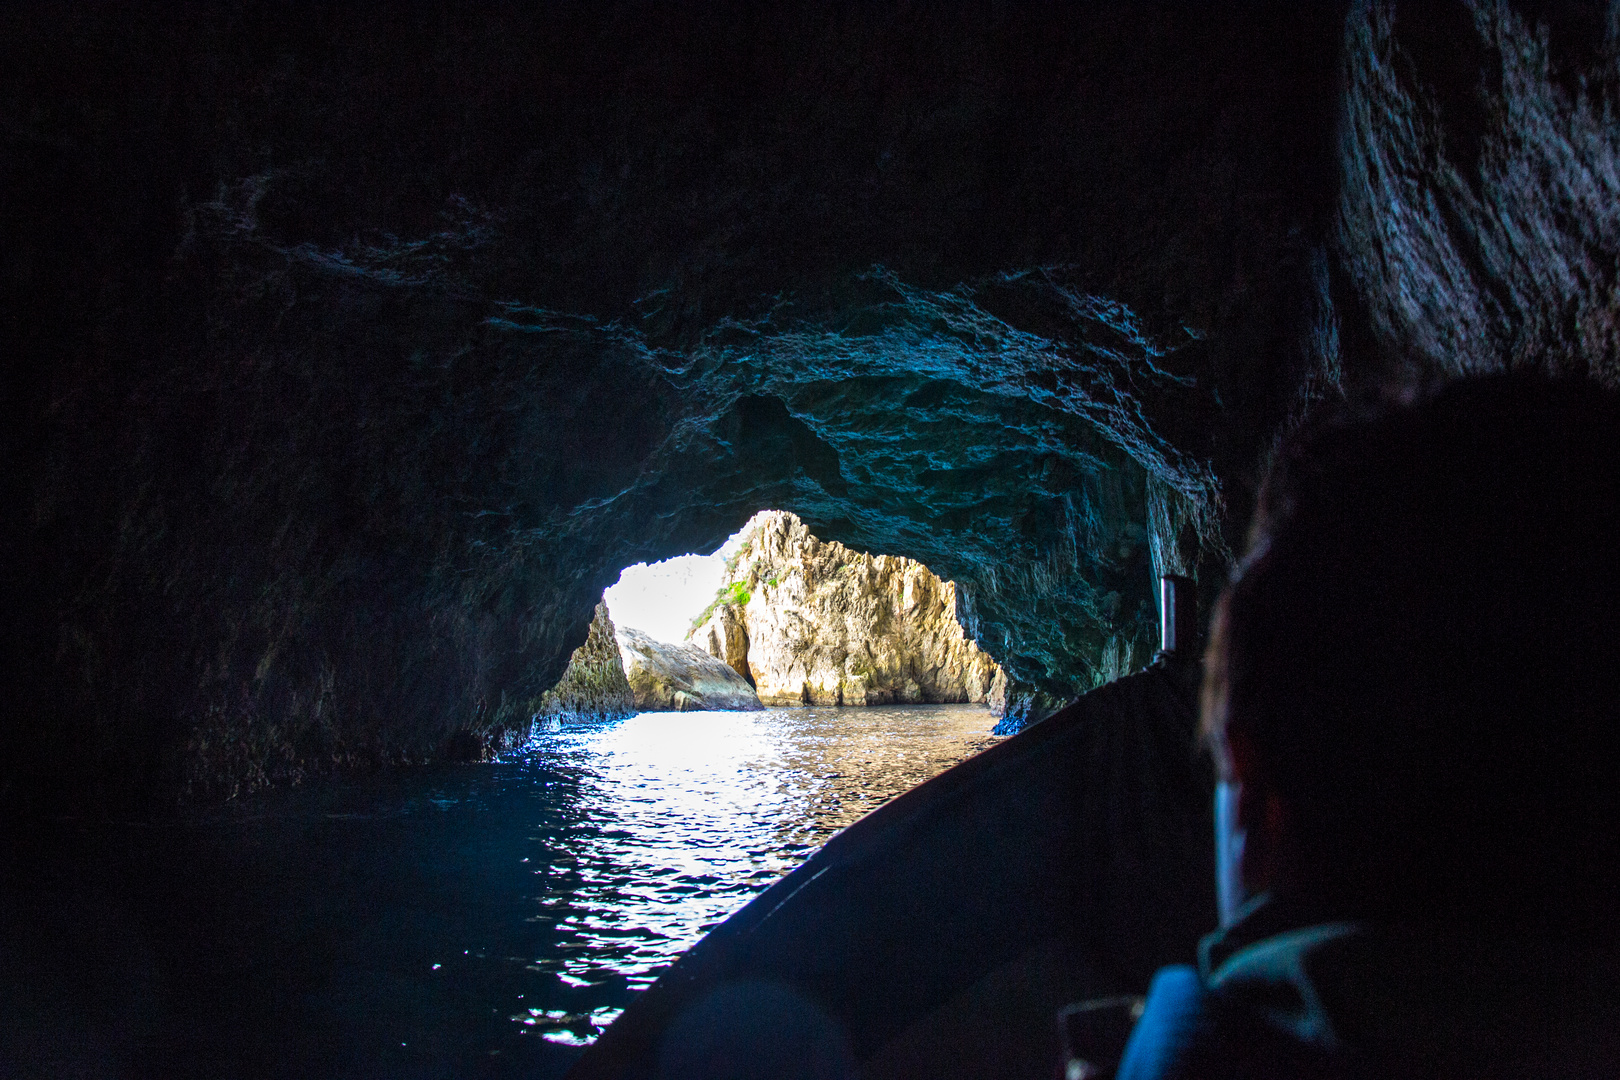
(724, 636)
(594, 686)
(813, 622)
(680, 678)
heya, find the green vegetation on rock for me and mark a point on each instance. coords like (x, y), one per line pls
(734, 594)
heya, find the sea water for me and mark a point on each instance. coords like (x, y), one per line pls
(469, 920)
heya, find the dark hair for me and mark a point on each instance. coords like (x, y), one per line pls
(1421, 646)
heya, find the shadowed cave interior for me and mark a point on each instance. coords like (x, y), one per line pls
(347, 359)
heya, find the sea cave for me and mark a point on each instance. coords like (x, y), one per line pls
(352, 353)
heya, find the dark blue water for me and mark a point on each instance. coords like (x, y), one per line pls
(475, 920)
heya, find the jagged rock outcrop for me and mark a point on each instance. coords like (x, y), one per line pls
(680, 678)
(813, 622)
(594, 686)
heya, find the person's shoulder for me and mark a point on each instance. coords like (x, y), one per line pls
(1189, 1029)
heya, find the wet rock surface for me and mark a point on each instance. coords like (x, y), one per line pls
(347, 360)
(595, 685)
(667, 676)
(819, 624)
(1018, 706)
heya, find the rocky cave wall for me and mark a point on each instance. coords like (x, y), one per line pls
(346, 359)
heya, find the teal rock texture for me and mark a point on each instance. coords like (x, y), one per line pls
(346, 360)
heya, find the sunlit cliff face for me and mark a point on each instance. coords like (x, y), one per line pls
(351, 359)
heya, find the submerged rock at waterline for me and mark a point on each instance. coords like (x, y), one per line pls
(810, 621)
(1017, 705)
(594, 686)
(680, 678)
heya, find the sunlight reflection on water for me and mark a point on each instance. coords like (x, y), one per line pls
(666, 823)
(430, 922)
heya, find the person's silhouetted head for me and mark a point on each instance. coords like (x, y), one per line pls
(1415, 673)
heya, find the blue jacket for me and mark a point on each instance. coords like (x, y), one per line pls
(1283, 994)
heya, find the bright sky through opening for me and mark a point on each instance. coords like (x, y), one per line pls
(662, 599)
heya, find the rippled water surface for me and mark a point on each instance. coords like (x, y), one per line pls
(464, 920)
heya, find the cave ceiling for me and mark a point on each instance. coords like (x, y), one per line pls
(350, 354)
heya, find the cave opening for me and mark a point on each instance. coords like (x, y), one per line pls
(776, 617)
